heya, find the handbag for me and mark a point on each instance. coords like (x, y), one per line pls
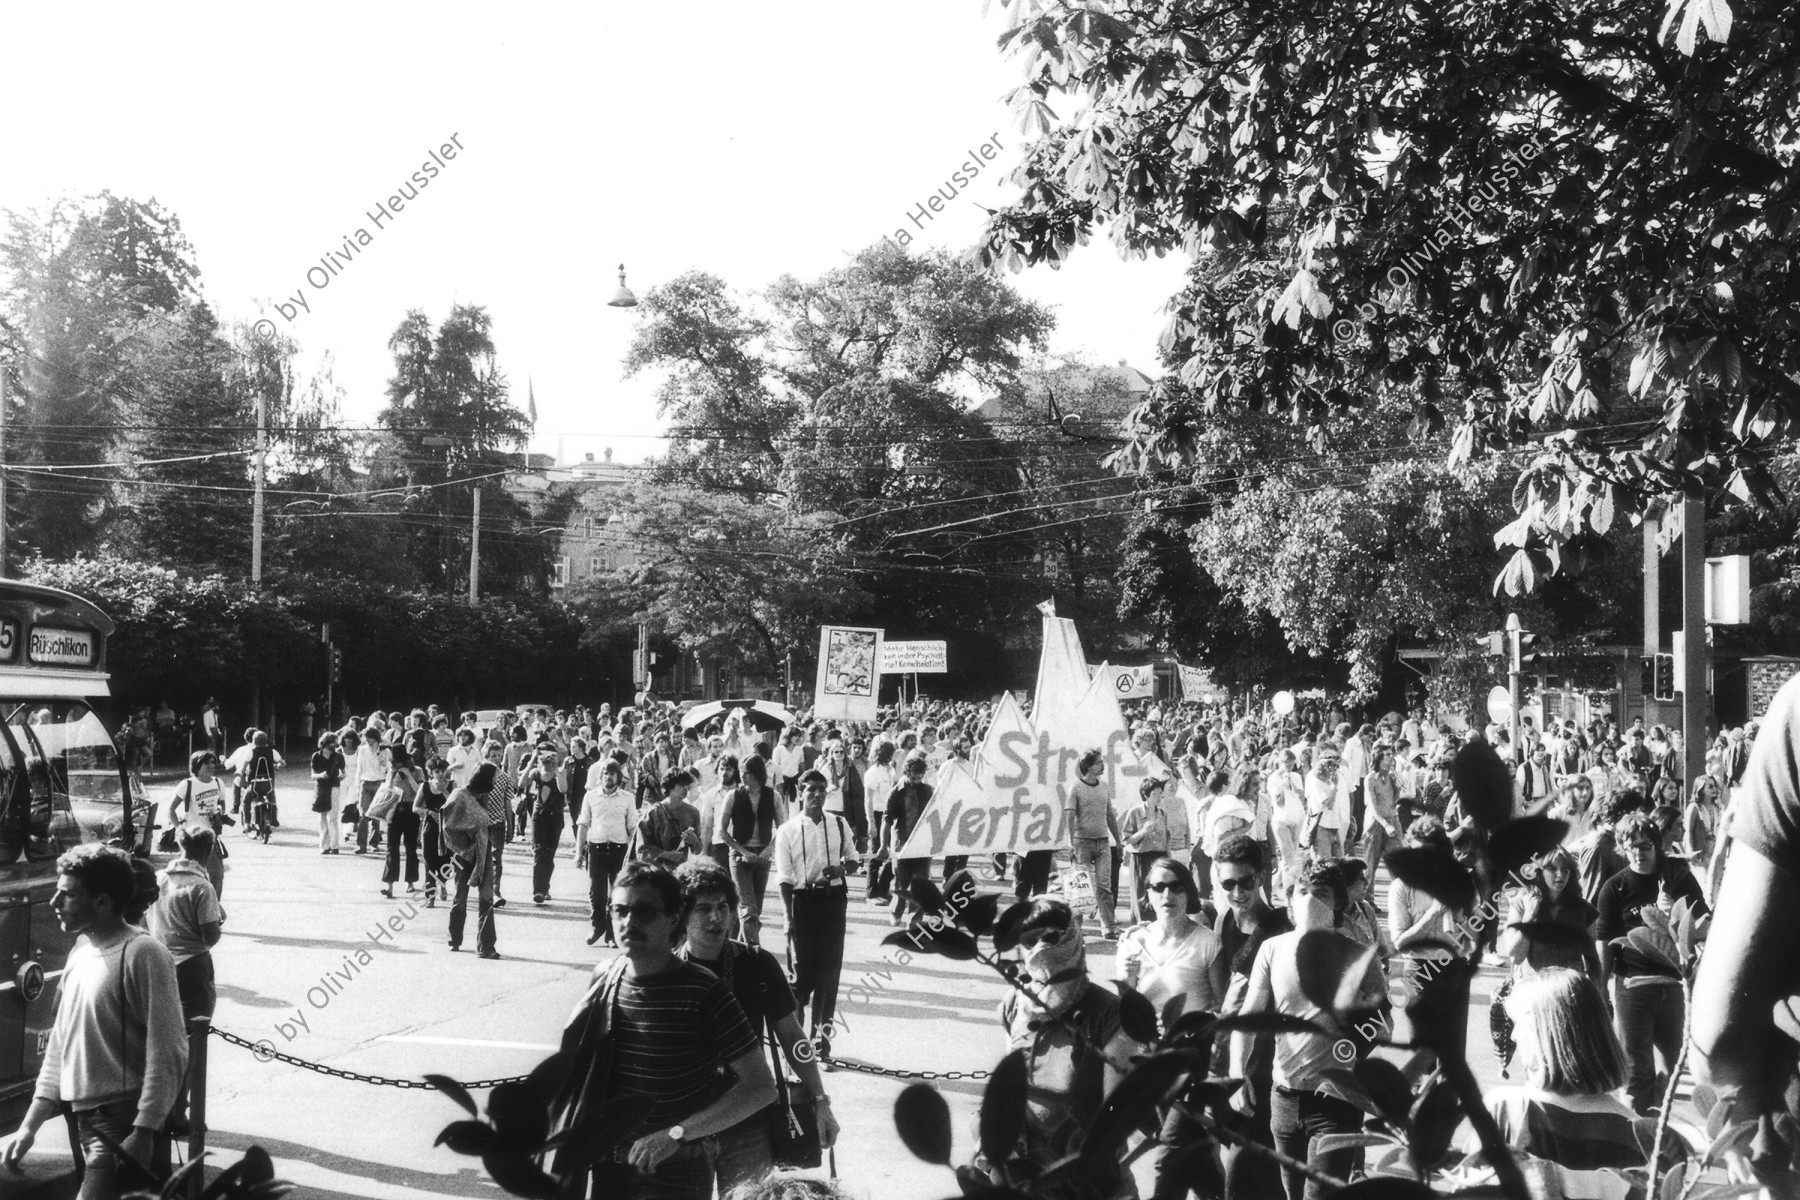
(383, 803)
(793, 1120)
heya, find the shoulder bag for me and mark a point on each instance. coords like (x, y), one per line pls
(793, 1118)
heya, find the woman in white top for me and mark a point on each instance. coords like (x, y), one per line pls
(602, 837)
(463, 757)
(1287, 816)
(1174, 955)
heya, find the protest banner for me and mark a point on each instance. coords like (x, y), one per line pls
(849, 662)
(1013, 799)
(914, 658)
(1134, 683)
(1197, 684)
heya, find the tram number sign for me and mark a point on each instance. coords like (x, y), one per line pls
(61, 647)
(9, 640)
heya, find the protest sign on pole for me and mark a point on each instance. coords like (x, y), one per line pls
(849, 670)
(914, 658)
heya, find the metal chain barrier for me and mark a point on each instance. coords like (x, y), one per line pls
(265, 1052)
(896, 1073)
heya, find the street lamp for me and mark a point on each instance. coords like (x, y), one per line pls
(623, 298)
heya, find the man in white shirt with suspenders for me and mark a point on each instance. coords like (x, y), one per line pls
(810, 852)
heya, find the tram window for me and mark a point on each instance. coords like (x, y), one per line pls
(71, 772)
(19, 829)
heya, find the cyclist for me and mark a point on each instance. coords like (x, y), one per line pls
(259, 772)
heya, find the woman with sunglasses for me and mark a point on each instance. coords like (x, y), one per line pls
(1174, 955)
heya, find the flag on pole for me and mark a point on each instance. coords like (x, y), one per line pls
(530, 402)
(1048, 607)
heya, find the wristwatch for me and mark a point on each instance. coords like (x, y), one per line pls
(675, 1132)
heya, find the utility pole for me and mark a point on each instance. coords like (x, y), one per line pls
(475, 549)
(1695, 696)
(256, 502)
(256, 528)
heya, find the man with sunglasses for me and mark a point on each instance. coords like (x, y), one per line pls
(669, 1033)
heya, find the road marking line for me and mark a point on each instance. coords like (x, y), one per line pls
(448, 1041)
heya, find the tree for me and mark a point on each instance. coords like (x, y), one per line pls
(449, 417)
(180, 493)
(1541, 226)
(847, 399)
(729, 578)
(97, 302)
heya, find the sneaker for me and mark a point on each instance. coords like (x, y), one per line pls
(490, 954)
(594, 937)
(539, 899)
(454, 946)
(499, 901)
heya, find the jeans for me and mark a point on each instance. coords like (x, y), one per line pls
(687, 1176)
(1140, 881)
(115, 1120)
(364, 826)
(546, 835)
(473, 871)
(905, 871)
(745, 1152)
(1648, 1019)
(497, 839)
(604, 861)
(1374, 847)
(1328, 843)
(752, 878)
(1296, 1119)
(1092, 854)
(1198, 1171)
(403, 829)
(1034, 874)
(437, 859)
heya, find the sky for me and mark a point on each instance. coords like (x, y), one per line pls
(750, 141)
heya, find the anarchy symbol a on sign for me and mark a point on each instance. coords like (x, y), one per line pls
(1124, 682)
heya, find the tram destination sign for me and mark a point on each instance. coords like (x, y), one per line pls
(52, 647)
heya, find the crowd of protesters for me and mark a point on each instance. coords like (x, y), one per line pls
(1249, 829)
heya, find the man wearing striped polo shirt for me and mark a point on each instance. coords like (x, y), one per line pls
(678, 1039)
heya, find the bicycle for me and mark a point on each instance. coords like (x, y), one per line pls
(257, 814)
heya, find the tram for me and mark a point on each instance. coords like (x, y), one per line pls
(62, 783)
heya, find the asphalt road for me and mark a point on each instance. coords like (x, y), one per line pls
(317, 964)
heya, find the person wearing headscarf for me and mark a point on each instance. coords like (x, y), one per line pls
(1075, 1048)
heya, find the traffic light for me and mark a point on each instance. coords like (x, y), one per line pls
(337, 664)
(1528, 652)
(1665, 677)
(640, 667)
(1492, 644)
